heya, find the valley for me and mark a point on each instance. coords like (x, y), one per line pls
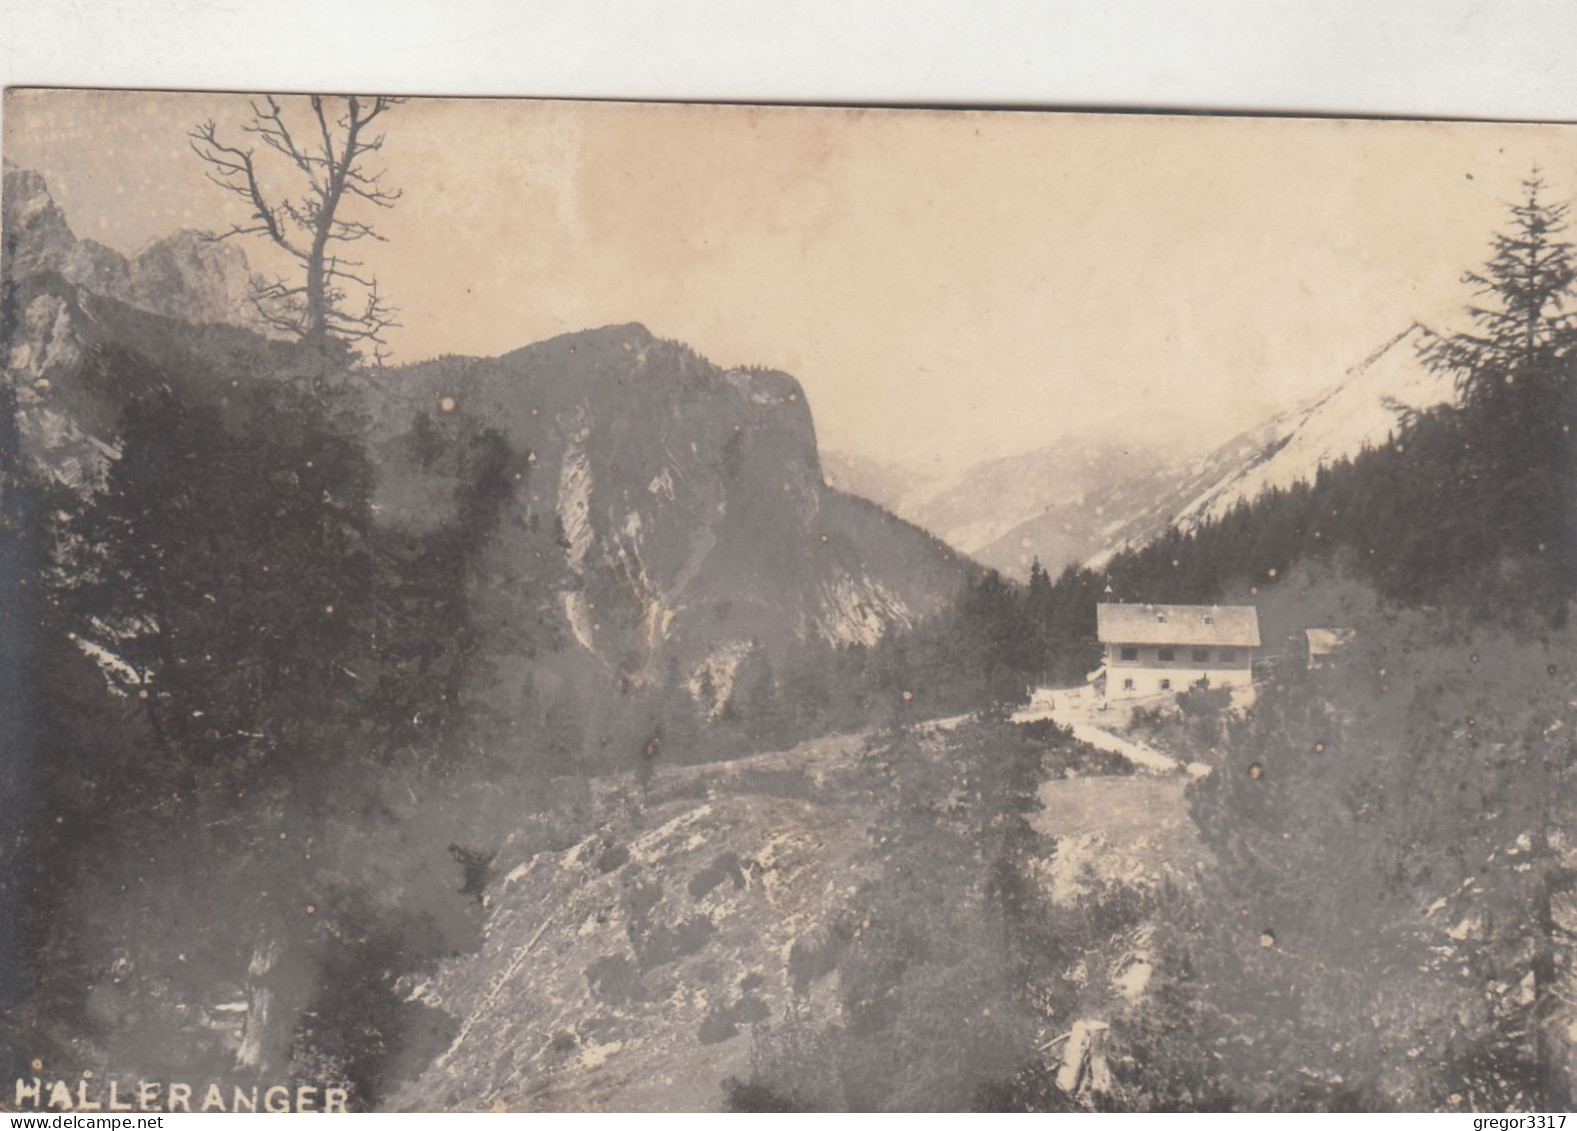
(567, 730)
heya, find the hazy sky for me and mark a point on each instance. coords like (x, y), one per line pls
(947, 285)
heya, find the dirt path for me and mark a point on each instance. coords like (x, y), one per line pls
(1077, 709)
(1146, 757)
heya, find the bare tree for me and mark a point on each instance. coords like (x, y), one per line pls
(333, 298)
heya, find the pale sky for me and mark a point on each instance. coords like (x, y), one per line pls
(947, 285)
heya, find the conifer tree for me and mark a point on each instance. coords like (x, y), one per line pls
(1523, 322)
(1517, 392)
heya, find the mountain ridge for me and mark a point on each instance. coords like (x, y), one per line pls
(187, 274)
(671, 485)
(1374, 396)
(669, 520)
(1082, 500)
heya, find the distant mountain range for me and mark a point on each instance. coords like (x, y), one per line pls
(691, 494)
(1050, 503)
(1081, 501)
(186, 275)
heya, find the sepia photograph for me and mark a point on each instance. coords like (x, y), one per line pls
(524, 605)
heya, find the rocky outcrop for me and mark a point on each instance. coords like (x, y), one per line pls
(190, 276)
(186, 275)
(665, 516)
(679, 505)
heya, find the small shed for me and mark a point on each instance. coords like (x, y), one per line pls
(1323, 643)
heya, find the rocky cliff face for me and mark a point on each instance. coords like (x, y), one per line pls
(185, 275)
(676, 508)
(74, 358)
(189, 276)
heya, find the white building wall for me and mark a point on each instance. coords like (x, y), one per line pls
(1149, 675)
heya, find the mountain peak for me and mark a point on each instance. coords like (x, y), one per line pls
(37, 236)
(1081, 500)
(191, 275)
(186, 274)
(1358, 412)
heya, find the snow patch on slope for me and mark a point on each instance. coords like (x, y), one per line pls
(1360, 412)
(118, 674)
